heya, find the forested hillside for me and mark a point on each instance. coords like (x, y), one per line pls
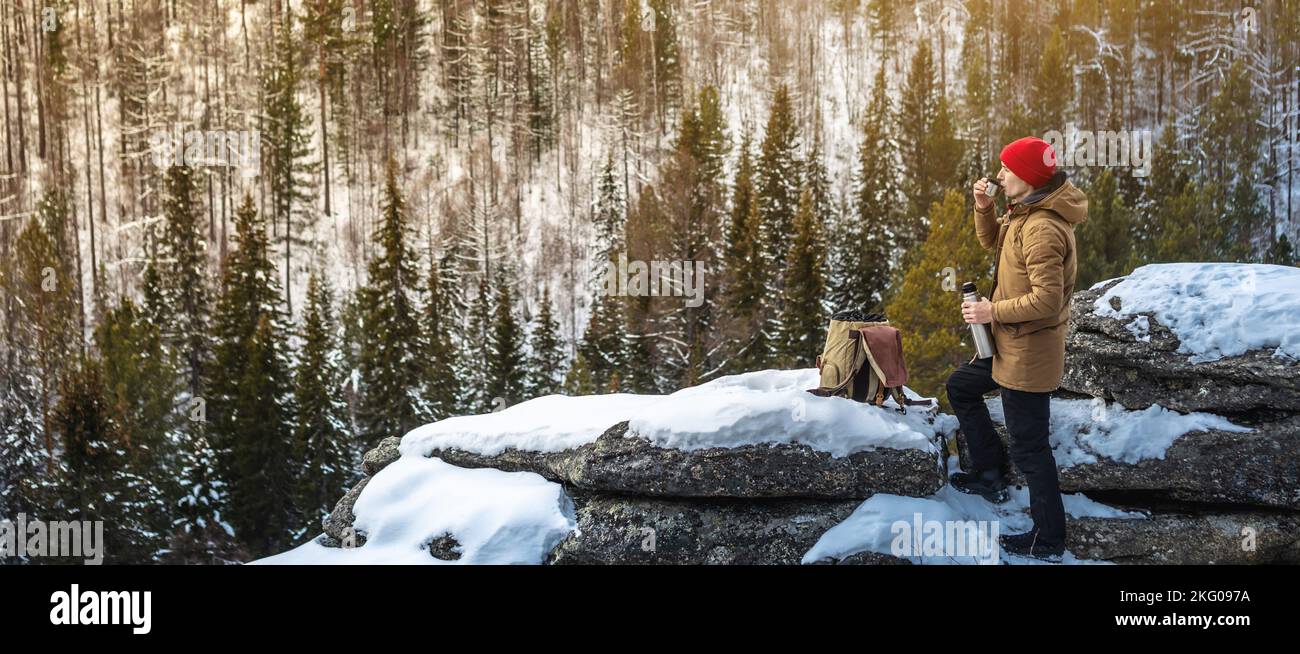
(241, 242)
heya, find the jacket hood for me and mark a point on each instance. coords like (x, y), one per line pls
(1061, 196)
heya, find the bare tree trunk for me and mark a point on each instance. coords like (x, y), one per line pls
(90, 193)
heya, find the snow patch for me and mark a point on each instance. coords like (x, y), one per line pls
(769, 406)
(1215, 309)
(871, 526)
(773, 406)
(1082, 430)
(1140, 328)
(496, 517)
(551, 423)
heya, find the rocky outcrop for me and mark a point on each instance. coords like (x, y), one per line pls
(1182, 539)
(619, 462)
(1214, 497)
(382, 455)
(1260, 468)
(1105, 359)
(640, 503)
(444, 547)
(650, 530)
(1168, 539)
(338, 524)
(1108, 358)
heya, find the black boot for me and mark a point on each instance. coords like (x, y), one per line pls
(988, 484)
(1029, 544)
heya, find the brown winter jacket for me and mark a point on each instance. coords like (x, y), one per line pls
(1033, 283)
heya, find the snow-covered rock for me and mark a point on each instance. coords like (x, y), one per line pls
(1215, 310)
(1194, 371)
(883, 523)
(614, 528)
(752, 469)
(1183, 538)
(752, 435)
(1190, 337)
(764, 407)
(420, 510)
(1157, 454)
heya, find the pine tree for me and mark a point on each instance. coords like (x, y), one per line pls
(976, 53)
(391, 365)
(703, 134)
(1176, 225)
(1234, 136)
(480, 325)
(744, 272)
(803, 322)
(196, 495)
(38, 288)
(667, 68)
(505, 361)
(740, 242)
(200, 530)
(927, 309)
(182, 270)
(917, 109)
(603, 348)
(251, 408)
(153, 301)
(928, 147)
(638, 370)
(260, 469)
(862, 251)
(625, 326)
(542, 45)
(1282, 253)
(1053, 92)
(96, 479)
(545, 353)
(289, 140)
(323, 433)
(883, 19)
(817, 179)
(140, 385)
(778, 183)
(442, 386)
(578, 380)
(1105, 243)
(609, 218)
(691, 199)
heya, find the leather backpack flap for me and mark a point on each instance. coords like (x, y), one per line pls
(884, 345)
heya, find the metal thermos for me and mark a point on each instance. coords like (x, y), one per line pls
(983, 337)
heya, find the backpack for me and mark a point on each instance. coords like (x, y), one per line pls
(851, 369)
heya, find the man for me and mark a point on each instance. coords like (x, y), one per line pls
(1028, 316)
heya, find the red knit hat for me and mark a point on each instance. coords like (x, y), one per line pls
(1031, 159)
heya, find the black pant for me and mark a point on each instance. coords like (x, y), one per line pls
(1027, 422)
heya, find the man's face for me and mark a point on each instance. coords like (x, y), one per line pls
(1015, 187)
